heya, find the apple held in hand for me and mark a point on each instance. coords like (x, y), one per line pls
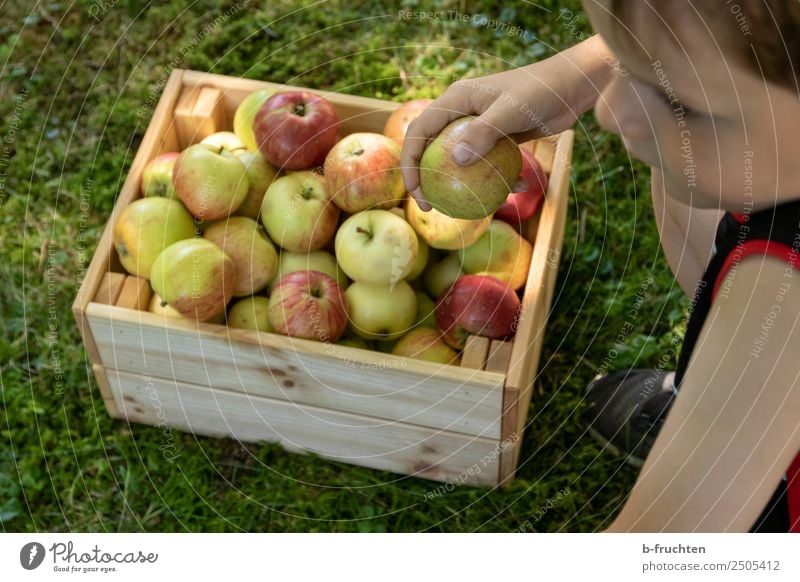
(194, 277)
(250, 313)
(246, 114)
(145, 228)
(246, 243)
(439, 276)
(442, 232)
(477, 305)
(295, 130)
(398, 122)
(210, 181)
(500, 252)
(522, 206)
(259, 177)
(322, 261)
(467, 192)
(298, 213)
(308, 305)
(376, 246)
(362, 172)
(426, 344)
(157, 176)
(380, 312)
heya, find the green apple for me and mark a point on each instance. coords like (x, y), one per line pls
(426, 344)
(425, 311)
(500, 252)
(260, 175)
(442, 232)
(473, 191)
(145, 228)
(157, 176)
(246, 113)
(210, 181)
(439, 276)
(250, 313)
(159, 307)
(376, 246)
(195, 277)
(379, 311)
(298, 213)
(322, 261)
(225, 140)
(246, 243)
(354, 341)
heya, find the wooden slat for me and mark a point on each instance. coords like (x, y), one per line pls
(105, 391)
(545, 152)
(536, 299)
(329, 376)
(135, 294)
(208, 115)
(104, 258)
(110, 288)
(499, 357)
(183, 117)
(396, 446)
(475, 351)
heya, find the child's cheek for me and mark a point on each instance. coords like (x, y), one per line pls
(618, 110)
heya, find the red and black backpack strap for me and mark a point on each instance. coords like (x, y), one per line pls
(772, 232)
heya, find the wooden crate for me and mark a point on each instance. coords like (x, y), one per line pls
(447, 423)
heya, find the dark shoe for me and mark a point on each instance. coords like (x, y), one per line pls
(627, 409)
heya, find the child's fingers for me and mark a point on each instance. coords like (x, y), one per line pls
(484, 131)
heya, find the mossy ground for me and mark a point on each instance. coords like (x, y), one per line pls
(74, 77)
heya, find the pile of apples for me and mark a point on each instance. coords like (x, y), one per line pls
(282, 227)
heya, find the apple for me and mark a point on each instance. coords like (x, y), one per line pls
(210, 181)
(250, 313)
(295, 130)
(298, 213)
(354, 341)
(245, 115)
(159, 307)
(473, 191)
(225, 140)
(500, 252)
(362, 172)
(381, 312)
(253, 254)
(522, 206)
(477, 305)
(376, 246)
(259, 176)
(322, 261)
(425, 311)
(426, 344)
(398, 122)
(439, 276)
(145, 228)
(157, 176)
(195, 277)
(309, 305)
(442, 232)
(423, 255)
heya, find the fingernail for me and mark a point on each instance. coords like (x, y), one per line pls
(520, 186)
(462, 154)
(423, 204)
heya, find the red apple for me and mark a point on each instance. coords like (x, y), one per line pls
(295, 129)
(398, 122)
(477, 305)
(362, 172)
(521, 206)
(309, 305)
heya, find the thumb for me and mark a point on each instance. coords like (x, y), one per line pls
(482, 134)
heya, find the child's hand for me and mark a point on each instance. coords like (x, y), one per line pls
(541, 99)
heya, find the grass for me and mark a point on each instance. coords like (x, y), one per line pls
(74, 76)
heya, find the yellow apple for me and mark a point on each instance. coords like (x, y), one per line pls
(442, 232)
(250, 313)
(500, 252)
(246, 113)
(379, 311)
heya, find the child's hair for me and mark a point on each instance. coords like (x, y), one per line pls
(762, 34)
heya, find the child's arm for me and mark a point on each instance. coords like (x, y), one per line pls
(543, 98)
(735, 428)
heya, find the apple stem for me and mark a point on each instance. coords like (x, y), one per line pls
(358, 152)
(360, 230)
(300, 109)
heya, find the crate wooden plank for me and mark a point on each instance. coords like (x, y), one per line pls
(545, 152)
(105, 391)
(135, 294)
(110, 288)
(208, 115)
(396, 446)
(184, 124)
(329, 376)
(475, 351)
(499, 356)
